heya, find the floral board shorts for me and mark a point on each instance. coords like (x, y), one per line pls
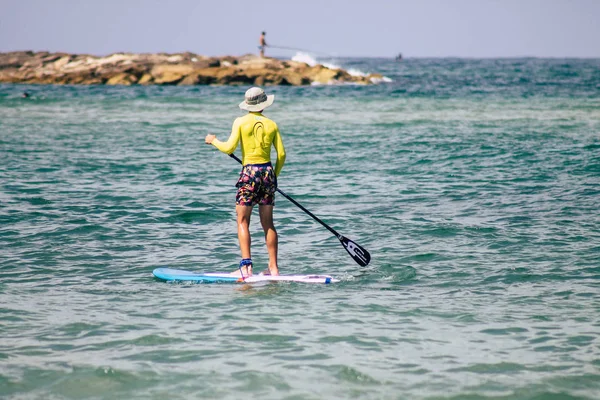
(257, 185)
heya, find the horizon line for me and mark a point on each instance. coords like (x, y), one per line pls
(309, 53)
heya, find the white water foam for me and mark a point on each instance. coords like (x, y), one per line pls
(312, 61)
(305, 58)
(382, 79)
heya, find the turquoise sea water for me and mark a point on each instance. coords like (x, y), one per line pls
(475, 185)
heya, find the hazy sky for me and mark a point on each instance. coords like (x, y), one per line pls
(416, 28)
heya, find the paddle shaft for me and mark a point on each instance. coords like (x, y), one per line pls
(297, 49)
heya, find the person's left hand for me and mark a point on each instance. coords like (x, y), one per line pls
(209, 138)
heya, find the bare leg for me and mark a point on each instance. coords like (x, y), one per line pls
(243, 228)
(266, 220)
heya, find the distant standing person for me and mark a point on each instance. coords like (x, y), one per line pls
(263, 44)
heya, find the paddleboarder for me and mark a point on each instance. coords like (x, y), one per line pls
(258, 179)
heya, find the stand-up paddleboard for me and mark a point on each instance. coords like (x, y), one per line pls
(170, 274)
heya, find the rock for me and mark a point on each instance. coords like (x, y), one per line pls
(167, 74)
(50, 58)
(376, 78)
(146, 79)
(207, 63)
(123, 78)
(324, 75)
(166, 69)
(296, 79)
(162, 69)
(168, 78)
(15, 59)
(61, 62)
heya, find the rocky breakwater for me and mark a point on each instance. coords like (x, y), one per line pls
(166, 69)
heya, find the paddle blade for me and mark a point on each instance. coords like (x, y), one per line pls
(360, 255)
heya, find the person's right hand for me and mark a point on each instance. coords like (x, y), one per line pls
(209, 138)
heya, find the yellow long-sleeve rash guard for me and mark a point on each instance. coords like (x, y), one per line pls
(257, 134)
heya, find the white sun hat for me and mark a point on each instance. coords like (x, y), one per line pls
(256, 99)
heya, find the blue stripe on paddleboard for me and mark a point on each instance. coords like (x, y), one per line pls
(169, 274)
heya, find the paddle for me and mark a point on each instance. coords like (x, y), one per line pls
(357, 252)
